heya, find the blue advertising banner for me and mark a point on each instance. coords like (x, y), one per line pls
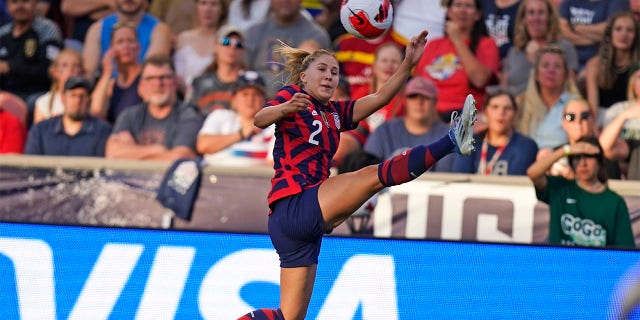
(70, 272)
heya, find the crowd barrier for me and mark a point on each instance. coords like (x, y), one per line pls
(79, 272)
(99, 192)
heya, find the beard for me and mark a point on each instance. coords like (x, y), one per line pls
(160, 99)
(129, 10)
(77, 116)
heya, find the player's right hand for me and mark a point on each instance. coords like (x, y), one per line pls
(299, 102)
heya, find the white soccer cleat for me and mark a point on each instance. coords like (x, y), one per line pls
(461, 130)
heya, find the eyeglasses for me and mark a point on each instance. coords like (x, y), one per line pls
(227, 42)
(570, 116)
(164, 77)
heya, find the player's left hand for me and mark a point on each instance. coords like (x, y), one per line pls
(415, 47)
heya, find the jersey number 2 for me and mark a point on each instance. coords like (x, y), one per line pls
(313, 135)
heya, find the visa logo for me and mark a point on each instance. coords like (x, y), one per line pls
(365, 282)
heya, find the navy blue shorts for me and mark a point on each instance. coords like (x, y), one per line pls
(296, 227)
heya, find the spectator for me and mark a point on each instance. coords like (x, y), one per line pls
(28, 45)
(583, 211)
(213, 89)
(504, 150)
(634, 6)
(285, 25)
(67, 64)
(413, 16)
(13, 131)
(464, 61)
(388, 58)
(4, 14)
(582, 22)
(84, 13)
(620, 137)
(195, 46)
(577, 122)
(112, 96)
(245, 13)
(420, 125)
(607, 74)
(536, 27)
(159, 128)
(329, 18)
(228, 137)
(357, 56)
(16, 106)
(549, 89)
(500, 18)
(75, 133)
(177, 14)
(154, 36)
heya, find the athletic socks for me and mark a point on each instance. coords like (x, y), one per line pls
(263, 314)
(411, 163)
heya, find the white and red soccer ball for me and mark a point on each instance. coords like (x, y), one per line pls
(366, 19)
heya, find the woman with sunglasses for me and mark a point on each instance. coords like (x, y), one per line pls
(583, 211)
(578, 122)
(195, 47)
(214, 88)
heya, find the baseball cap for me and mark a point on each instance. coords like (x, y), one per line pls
(77, 82)
(249, 79)
(228, 30)
(421, 86)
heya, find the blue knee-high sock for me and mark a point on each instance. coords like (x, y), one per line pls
(263, 314)
(413, 162)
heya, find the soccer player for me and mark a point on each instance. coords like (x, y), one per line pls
(305, 203)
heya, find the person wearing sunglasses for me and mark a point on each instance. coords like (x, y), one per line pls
(584, 211)
(578, 121)
(213, 89)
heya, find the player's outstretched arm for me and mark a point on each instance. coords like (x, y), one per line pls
(369, 104)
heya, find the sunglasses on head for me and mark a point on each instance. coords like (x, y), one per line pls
(227, 42)
(570, 116)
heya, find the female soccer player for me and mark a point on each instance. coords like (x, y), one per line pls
(305, 203)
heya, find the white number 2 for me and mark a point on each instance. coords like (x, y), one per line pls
(312, 139)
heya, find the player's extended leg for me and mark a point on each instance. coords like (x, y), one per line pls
(341, 195)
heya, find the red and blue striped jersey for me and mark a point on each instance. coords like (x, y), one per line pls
(305, 143)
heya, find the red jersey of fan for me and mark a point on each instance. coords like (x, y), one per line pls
(305, 143)
(356, 56)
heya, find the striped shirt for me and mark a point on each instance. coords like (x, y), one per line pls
(305, 143)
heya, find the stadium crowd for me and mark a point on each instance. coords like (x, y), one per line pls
(171, 79)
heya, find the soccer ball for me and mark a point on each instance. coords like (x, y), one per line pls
(366, 19)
